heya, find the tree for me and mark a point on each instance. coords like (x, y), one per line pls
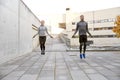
(116, 28)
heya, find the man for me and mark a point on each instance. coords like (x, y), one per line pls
(82, 27)
(42, 30)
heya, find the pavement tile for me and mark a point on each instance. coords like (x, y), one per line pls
(90, 71)
(79, 75)
(16, 74)
(97, 77)
(28, 77)
(10, 78)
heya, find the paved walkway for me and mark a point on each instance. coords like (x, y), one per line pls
(58, 64)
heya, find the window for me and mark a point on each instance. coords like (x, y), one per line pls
(34, 27)
(98, 21)
(110, 28)
(103, 28)
(90, 29)
(73, 23)
(110, 20)
(103, 36)
(67, 9)
(90, 22)
(73, 29)
(113, 19)
(105, 20)
(62, 25)
(102, 21)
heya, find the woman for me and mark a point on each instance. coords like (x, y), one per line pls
(42, 30)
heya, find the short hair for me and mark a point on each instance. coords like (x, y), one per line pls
(81, 15)
(42, 21)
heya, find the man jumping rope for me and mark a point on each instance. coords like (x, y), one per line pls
(82, 26)
(42, 30)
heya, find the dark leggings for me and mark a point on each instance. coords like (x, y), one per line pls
(83, 40)
(42, 40)
(83, 48)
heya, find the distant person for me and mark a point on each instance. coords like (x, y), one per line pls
(82, 27)
(42, 30)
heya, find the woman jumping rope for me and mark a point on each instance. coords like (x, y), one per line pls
(42, 30)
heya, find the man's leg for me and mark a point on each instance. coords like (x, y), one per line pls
(84, 48)
(41, 47)
(80, 40)
(80, 48)
(85, 40)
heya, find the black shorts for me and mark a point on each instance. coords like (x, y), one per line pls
(42, 39)
(83, 38)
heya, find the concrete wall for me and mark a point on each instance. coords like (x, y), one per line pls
(16, 29)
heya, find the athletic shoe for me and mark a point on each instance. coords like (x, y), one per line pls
(42, 52)
(84, 55)
(81, 56)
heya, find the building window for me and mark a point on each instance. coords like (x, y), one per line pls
(105, 20)
(103, 36)
(103, 28)
(101, 21)
(67, 9)
(109, 28)
(111, 20)
(73, 29)
(62, 25)
(34, 27)
(90, 29)
(73, 23)
(90, 22)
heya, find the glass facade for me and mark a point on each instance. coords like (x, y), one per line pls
(103, 28)
(101, 21)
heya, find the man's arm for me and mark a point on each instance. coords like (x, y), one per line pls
(76, 30)
(87, 29)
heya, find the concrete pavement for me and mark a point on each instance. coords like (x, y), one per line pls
(57, 64)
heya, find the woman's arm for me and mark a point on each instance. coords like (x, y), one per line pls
(36, 33)
(48, 33)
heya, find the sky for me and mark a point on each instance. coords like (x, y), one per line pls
(59, 6)
(43, 8)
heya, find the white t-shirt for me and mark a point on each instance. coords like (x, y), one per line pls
(42, 31)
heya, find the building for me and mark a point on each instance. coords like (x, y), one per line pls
(100, 24)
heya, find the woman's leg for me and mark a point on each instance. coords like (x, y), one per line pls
(40, 43)
(44, 42)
